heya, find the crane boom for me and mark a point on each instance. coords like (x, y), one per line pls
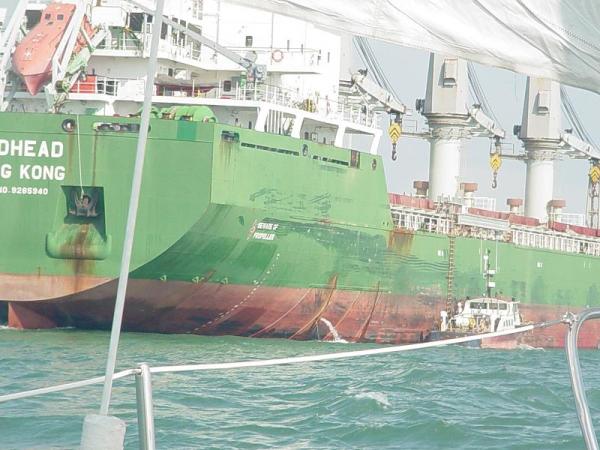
(385, 98)
(578, 148)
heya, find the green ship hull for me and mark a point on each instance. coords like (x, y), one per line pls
(240, 232)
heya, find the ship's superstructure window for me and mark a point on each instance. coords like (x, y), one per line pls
(60, 17)
(197, 9)
(33, 18)
(47, 16)
(136, 21)
(475, 305)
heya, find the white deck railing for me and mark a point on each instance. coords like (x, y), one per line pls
(549, 240)
(433, 222)
(419, 221)
(273, 94)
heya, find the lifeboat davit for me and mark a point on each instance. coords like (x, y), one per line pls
(32, 58)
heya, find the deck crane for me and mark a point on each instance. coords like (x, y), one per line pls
(450, 122)
(544, 143)
(472, 121)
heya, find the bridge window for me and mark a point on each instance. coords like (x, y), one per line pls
(477, 305)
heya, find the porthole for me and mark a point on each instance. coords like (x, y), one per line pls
(69, 125)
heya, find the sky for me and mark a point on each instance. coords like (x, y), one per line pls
(407, 71)
(8, 4)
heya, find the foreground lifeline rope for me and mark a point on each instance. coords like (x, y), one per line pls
(279, 361)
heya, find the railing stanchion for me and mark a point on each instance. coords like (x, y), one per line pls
(145, 412)
(583, 411)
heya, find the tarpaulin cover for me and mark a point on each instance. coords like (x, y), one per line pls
(557, 39)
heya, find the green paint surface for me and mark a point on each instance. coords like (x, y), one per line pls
(232, 205)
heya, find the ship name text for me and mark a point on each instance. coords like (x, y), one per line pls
(26, 148)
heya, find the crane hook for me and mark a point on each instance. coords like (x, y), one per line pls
(394, 154)
(495, 181)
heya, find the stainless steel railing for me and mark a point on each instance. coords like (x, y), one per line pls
(583, 412)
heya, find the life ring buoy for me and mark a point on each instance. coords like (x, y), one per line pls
(277, 55)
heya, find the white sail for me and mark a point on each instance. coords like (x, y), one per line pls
(557, 39)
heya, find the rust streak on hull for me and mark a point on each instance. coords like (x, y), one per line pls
(360, 335)
(314, 319)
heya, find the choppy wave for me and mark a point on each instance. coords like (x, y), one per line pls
(451, 397)
(529, 347)
(379, 397)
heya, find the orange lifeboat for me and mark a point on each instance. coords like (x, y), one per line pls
(32, 58)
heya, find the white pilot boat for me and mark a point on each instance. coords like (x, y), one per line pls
(478, 316)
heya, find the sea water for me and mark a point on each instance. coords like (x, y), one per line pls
(444, 398)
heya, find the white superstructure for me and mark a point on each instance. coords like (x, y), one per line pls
(292, 87)
(483, 315)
